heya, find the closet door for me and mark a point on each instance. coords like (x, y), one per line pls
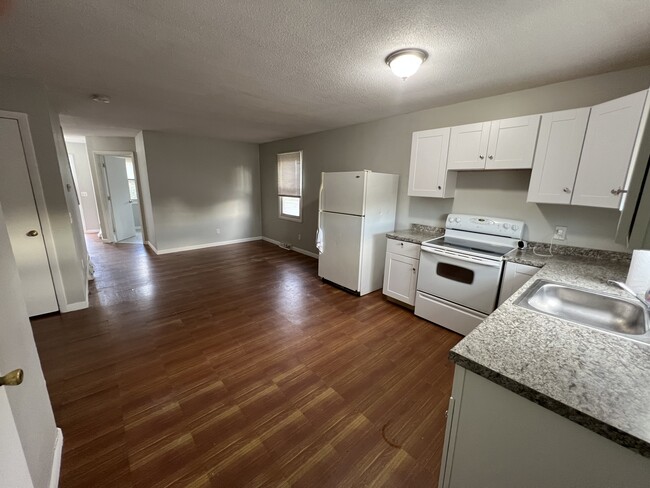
(23, 222)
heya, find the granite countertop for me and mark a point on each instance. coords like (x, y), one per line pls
(539, 254)
(416, 234)
(599, 380)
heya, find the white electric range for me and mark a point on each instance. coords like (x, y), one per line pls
(460, 272)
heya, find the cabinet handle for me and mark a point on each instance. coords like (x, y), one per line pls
(566, 189)
(439, 188)
(401, 244)
(490, 157)
(618, 191)
(414, 270)
(480, 156)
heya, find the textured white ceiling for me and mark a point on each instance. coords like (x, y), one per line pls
(259, 70)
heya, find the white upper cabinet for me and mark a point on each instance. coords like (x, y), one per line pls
(512, 143)
(499, 144)
(607, 152)
(468, 146)
(428, 170)
(559, 145)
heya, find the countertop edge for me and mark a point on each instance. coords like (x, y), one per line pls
(599, 427)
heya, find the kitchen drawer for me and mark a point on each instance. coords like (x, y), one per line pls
(409, 249)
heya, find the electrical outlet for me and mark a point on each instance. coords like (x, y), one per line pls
(299, 237)
(218, 230)
(560, 233)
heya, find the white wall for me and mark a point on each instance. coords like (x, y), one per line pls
(199, 185)
(31, 98)
(79, 152)
(385, 145)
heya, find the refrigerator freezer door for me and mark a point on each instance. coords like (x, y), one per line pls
(341, 258)
(344, 192)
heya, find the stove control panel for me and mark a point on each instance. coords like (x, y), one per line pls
(486, 225)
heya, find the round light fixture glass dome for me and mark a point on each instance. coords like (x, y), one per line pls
(406, 62)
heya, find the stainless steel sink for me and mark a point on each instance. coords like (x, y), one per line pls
(610, 313)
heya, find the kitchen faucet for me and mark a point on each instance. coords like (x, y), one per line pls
(623, 286)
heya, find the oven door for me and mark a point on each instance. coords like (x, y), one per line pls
(470, 281)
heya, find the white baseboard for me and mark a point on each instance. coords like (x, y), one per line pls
(296, 249)
(151, 246)
(71, 307)
(305, 252)
(56, 461)
(201, 246)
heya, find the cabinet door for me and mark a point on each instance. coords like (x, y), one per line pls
(559, 145)
(512, 143)
(428, 171)
(514, 277)
(468, 146)
(607, 152)
(400, 278)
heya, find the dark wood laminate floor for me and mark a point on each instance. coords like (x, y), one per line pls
(236, 366)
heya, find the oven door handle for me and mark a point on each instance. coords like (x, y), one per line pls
(484, 262)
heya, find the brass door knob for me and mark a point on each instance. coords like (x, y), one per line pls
(14, 378)
(32, 233)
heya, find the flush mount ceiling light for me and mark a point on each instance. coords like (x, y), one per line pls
(406, 62)
(100, 98)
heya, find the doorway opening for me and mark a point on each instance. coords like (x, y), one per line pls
(122, 203)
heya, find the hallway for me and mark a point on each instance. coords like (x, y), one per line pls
(236, 366)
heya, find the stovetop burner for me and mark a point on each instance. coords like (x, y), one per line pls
(475, 247)
(481, 236)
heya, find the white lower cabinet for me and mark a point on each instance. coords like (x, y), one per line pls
(401, 270)
(498, 439)
(514, 277)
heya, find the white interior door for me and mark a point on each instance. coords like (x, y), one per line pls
(340, 260)
(23, 223)
(119, 197)
(29, 442)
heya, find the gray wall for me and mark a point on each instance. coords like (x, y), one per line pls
(109, 144)
(198, 185)
(88, 203)
(385, 146)
(144, 192)
(31, 98)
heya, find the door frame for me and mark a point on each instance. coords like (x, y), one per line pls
(41, 206)
(101, 192)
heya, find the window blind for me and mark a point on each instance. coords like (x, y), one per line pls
(289, 171)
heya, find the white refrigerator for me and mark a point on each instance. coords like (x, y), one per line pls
(356, 210)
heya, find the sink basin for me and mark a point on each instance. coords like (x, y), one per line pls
(613, 314)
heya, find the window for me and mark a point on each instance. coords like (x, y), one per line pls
(130, 176)
(290, 185)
